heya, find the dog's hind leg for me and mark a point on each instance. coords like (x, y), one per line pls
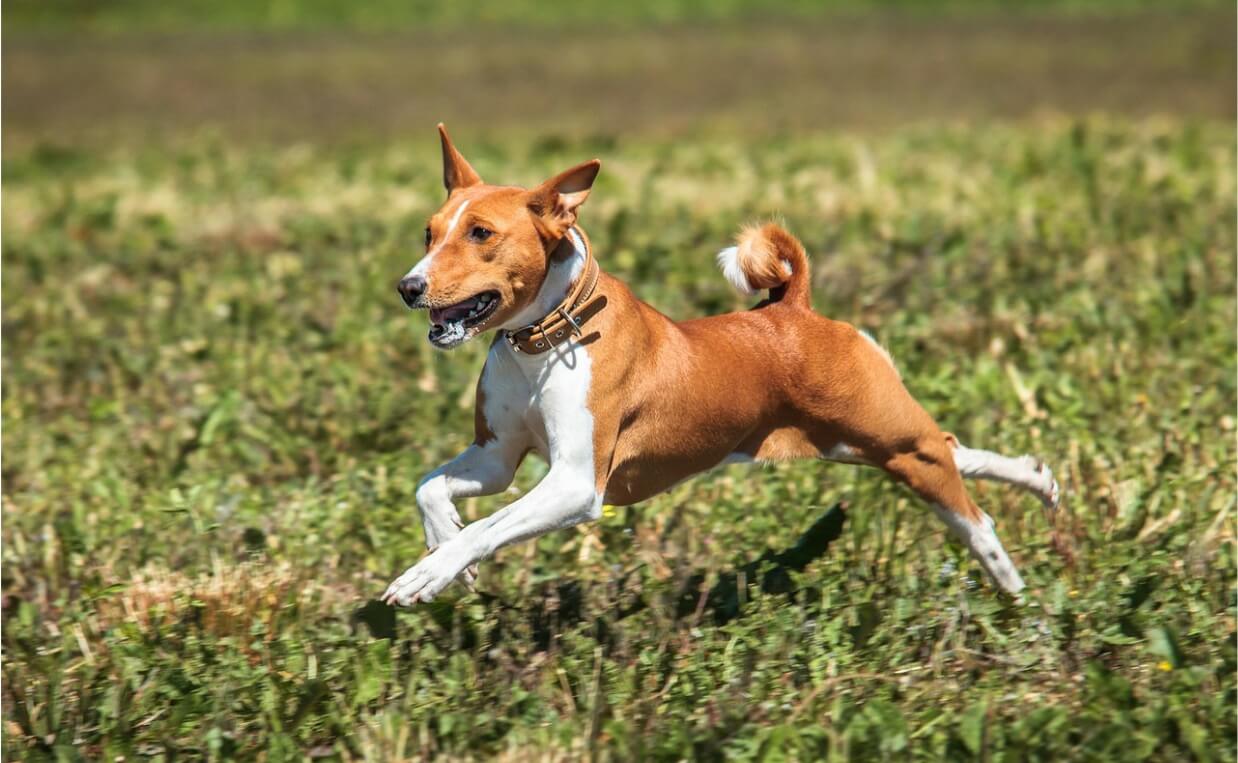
(930, 471)
(1027, 472)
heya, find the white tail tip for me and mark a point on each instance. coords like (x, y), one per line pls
(728, 261)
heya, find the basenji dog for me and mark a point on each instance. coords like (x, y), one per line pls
(624, 403)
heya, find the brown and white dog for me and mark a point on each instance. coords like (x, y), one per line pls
(624, 403)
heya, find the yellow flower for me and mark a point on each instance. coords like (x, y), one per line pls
(1164, 665)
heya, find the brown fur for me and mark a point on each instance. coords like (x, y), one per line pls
(527, 227)
(638, 402)
(512, 262)
(762, 252)
(672, 399)
(775, 382)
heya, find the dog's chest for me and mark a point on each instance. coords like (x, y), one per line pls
(545, 396)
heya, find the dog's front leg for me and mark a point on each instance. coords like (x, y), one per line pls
(564, 498)
(479, 470)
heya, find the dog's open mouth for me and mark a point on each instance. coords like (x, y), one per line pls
(451, 325)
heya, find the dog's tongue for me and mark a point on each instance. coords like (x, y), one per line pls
(456, 312)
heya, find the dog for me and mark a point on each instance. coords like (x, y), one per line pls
(624, 403)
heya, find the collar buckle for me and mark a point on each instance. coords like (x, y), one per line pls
(571, 321)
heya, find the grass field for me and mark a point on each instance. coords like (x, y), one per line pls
(216, 410)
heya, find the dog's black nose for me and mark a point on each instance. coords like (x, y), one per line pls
(411, 288)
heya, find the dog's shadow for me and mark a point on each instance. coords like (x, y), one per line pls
(554, 607)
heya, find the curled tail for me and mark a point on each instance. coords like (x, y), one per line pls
(767, 257)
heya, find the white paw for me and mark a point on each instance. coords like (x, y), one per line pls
(427, 578)
(1053, 496)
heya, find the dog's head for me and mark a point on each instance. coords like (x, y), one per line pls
(488, 248)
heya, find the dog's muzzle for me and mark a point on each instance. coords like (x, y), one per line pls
(411, 288)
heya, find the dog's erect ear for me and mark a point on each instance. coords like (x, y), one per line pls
(457, 172)
(555, 202)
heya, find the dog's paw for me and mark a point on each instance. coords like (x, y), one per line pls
(1051, 495)
(427, 579)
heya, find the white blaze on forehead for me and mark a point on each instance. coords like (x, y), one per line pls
(422, 268)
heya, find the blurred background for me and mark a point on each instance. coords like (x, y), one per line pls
(287, 70)
(216, 410)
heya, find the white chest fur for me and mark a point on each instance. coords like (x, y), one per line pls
(549, 394)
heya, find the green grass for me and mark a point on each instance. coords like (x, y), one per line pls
(216, 411)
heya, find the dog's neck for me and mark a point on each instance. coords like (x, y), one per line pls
(566, 265)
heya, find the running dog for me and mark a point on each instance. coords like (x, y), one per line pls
(624, 403)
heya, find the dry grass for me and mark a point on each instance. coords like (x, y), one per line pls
(226, 603)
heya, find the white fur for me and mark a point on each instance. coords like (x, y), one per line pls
(486, 469)
(422, 268)
(481, 469)
(982, 541)
(1026, 472)
(538, 401)
(728, 261)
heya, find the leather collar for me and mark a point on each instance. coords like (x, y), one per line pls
(571, 314)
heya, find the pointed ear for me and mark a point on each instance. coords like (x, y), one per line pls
(555, 202)
(457, 172)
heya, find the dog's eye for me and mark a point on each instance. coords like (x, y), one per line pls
(427, 237)
(480, 234)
